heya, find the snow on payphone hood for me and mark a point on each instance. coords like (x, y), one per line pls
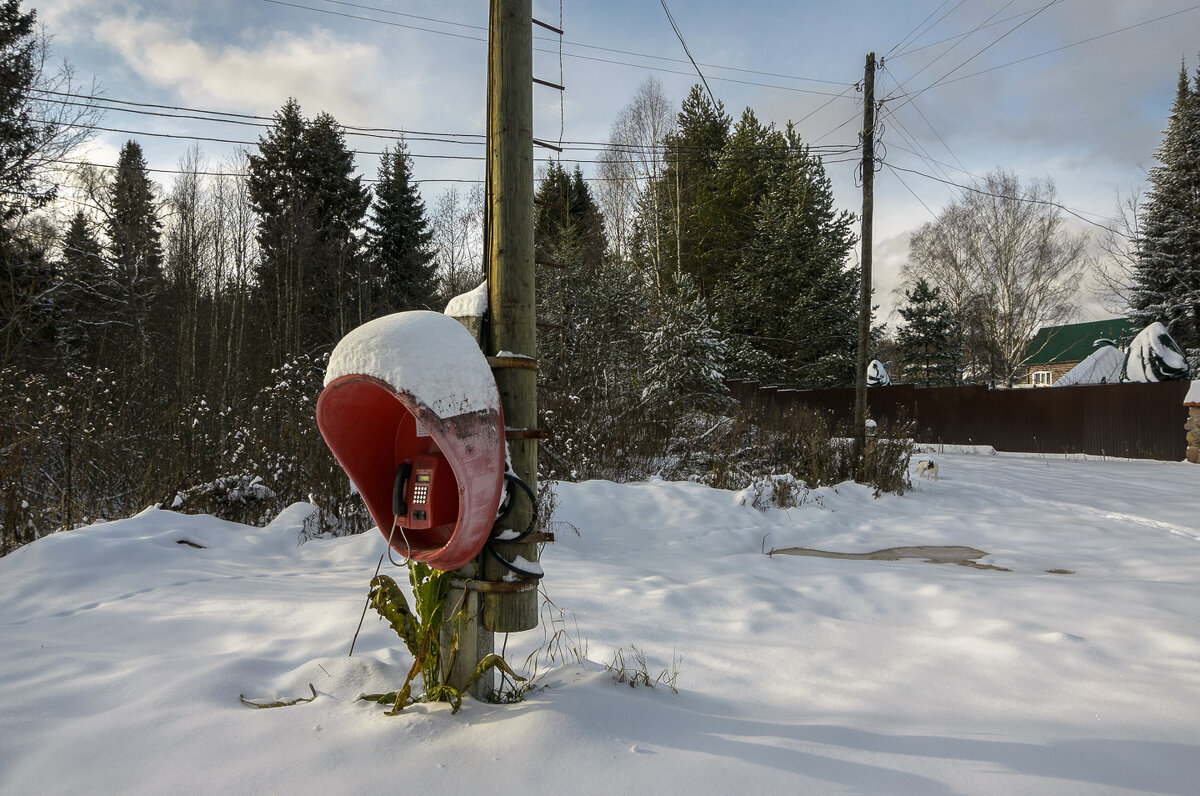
(427, 354)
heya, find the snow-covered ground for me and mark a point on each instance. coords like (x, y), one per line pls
(123, 652)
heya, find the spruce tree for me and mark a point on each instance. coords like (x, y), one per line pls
(745, 174)
(569, 233)
(86, 303)
(1167, 273)
(686, 354)
(401, 259)
(310, 206)
(929, 346)
(26, 286)
(20, 132)
(135, 249)
(692, 154)
(337, 199)
(790, 306)
(591, 311)
(276, 188)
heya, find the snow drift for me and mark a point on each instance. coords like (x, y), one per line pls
(1074, 674)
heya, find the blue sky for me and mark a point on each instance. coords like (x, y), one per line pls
(1088, 116)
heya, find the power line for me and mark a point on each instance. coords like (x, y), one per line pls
(910, 190)
(973, 189)
(829, 102)
(923, 153)
(994, 42)
(266, 122)
(903, 41)
(679, 35)
(255, 117)
(965, 34)
(1073, 44)
(587, 46)
(839, 127)
(553, 52)
(950, 49)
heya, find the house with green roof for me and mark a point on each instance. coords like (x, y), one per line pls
(1054, 350)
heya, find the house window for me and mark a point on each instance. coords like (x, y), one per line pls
(1041, 378)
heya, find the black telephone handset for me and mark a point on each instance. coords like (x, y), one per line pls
(399, 505)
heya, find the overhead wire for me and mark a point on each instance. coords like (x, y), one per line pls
(924, 153)
(255, 120)
(1073, 44)
(765, 153)
(974, 189)
(950, 49)
(910, 190)
(937, 165)
(994, 42)
(679, 35)
(900, 43)
(974, 30)
(236, 115)
(566, 54)
(585, 45)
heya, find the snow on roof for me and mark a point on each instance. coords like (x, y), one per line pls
(1154, 356)
(1102, 367)
(1193, 395)
(472, 304)
(427, 354)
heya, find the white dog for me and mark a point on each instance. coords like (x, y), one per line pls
(927, 468)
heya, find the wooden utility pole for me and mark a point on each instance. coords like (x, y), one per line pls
(492, 605)
(864, 295)
(511, 285)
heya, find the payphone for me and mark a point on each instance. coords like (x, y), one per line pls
(411, 412)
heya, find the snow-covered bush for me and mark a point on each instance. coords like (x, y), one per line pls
(762, 442)
(72, 451)
(775, 491)
(277, 444)
(238, 498)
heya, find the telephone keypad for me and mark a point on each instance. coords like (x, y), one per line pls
(420, 493)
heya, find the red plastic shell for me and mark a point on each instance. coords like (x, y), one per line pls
(371, 428)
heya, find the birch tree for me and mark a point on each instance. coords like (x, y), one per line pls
(1005, 263)
(634, 165)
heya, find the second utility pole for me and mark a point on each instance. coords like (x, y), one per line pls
(864, 296)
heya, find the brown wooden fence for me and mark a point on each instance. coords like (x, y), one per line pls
(1142, 421)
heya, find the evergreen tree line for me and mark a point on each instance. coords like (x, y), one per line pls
(709, 250)
(167, 345)
(1165, 277)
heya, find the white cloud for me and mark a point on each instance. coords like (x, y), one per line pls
(319, 68)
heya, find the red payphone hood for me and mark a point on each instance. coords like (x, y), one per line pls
(401, 386)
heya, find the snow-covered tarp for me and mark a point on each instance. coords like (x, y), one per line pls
(1154, 356)
(1103, 366)
(877, 375)
(472, 304)
(427, 354)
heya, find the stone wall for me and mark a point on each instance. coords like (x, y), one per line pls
(1193, 434)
